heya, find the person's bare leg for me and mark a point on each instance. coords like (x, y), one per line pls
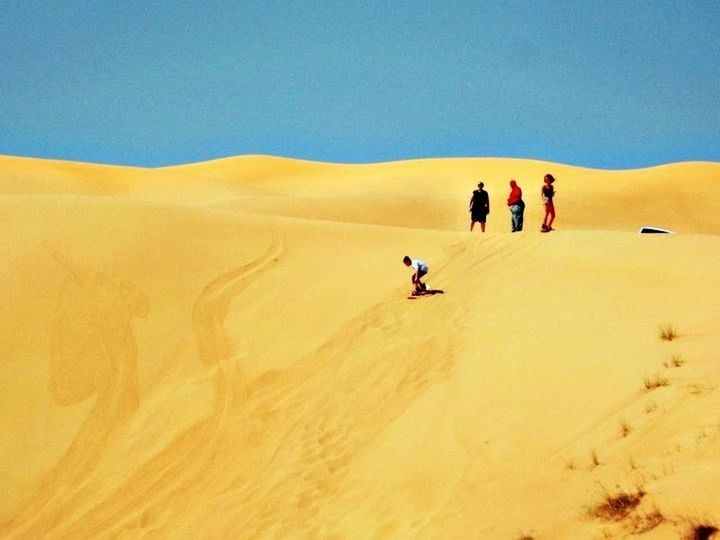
(482, 226)
(472, 224)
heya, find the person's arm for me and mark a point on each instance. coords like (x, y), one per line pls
(470, 204)
(487, 204)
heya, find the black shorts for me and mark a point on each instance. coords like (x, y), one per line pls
(420, 274)
(480, 217)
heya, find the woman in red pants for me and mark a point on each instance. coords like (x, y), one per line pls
(548, 192)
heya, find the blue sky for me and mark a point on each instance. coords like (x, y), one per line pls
(603, 84)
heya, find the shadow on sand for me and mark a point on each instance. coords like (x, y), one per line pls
(423, 294)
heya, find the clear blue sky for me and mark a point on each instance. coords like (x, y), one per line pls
(609, 84)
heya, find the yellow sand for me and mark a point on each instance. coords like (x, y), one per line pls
(226, 350)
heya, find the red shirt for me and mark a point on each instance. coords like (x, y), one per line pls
(515, 195)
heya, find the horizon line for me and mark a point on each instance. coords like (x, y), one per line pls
(350, 163)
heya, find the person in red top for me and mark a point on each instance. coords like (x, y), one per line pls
(516, 206)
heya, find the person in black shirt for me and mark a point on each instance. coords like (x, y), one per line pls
(479, 207)
(548, 192)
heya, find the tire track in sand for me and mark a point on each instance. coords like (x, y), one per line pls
(272, 456)
(89, 300)
(92, 353)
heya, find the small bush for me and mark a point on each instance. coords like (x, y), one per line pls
(618, 506)
(655, 382)
(668, 332)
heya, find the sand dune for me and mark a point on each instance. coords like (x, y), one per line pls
(225, 350)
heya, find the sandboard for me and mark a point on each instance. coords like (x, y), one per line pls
(428, 292)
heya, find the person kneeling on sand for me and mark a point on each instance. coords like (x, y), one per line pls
(421, 269)
(516, 206)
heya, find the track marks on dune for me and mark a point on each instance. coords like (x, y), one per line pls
(336, 402)
(290, 437)
(92, 353)
(272, 455)
(358, 383)
(213, 343)
(181, 466)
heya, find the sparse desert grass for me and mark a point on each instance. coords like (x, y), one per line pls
(675, 361)
(667, 332)
(650, 406)
(625, 427)
(701, 531)
(570, 464)
(699, 389)
(617, 506)
(703, 434)
(594, 459)
(647, 522)
(656, 381)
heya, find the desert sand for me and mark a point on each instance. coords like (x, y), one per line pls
(226, 350)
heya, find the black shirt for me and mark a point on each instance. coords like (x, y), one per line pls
(480, 201)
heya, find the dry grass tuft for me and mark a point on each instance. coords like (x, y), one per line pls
(646, 522)
(650, 406)
(594, 459)
(655, 382)
(625, 428)
(668, 332)
(616, 507)
(677, 360)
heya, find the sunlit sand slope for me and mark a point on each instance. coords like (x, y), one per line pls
(226, 350)
(430, 194)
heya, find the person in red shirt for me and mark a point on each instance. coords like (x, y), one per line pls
(516, 206)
